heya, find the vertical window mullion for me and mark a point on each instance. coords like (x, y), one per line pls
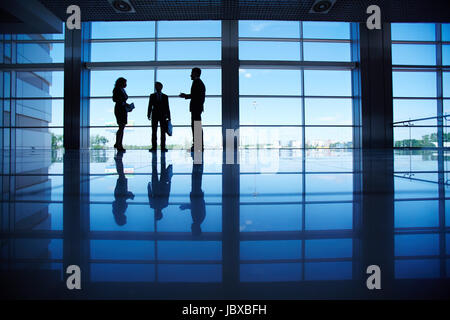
(303, 87)
(439, 88)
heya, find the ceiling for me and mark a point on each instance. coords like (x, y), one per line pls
(343, 10)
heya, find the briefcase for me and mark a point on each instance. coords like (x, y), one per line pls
(169, 128)
(129, 107)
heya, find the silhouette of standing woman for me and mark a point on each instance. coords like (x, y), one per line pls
(120, 97)
(121, 193)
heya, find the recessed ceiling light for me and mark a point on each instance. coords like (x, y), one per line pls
(322, 6)
(122, 6)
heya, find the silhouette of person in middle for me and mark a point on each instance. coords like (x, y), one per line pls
(121, 193)
(158, 111)
(197, 97)
(159, 189)
(197, 197)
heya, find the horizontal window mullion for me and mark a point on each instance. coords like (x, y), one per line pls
(294, 39)
(165, 39)
(415, 42)
(293, 96)
(147, 96)
(297, 65)
(33, 127)
(39, 41)
(419, 68)
(32, 67)
(419, 126)
(143, 65)
(33, 98)
(149, 126)
(299, 125)
(416, 98)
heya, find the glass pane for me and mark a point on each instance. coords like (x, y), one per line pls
(446, 84)
(37, 113)
(416, 214)
(288, 190)
(273, 111)
(318, 51)
(270, 137)
(329, 216)
(289, 161)
(329, 187)
(414, 84)
(328, 248)
(328, 83)
(417, 269)
(269, 81)
(329, 137)
(189, 250)
(270, 250)
(269, 29)
(122, 272)
(447, 108)
(176, 220)
(179, 80)
(413, 54)
(140, 138)
(179, 29)
(139, 82)
(189, 273)
(270, 272)
(446, 55)
(122, 51)
(446, 32)
(42, 84)
(123, 29)
(189, 50)
(57, 143)
(425, 185)
(119, 249)
(269, 50)
(417, 160)
(49, 36)
(266, 217)
(33, 138)
(179, 110)
(102, 112)
(415, 109)
(326, 30)
(40, 52)
(413, 31)
(328, 111)
(341, 270)
(336, 160)
(420, 137)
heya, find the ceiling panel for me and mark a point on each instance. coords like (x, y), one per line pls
(343, 10)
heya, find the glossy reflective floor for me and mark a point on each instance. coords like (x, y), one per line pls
(281, 224)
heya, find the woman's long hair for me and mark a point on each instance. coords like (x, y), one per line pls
(120, 82)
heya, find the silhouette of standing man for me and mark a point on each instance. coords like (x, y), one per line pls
(158, 111)
(197, 97)
(197, 197)
(159, 189)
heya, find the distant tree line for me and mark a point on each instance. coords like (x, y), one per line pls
(428, 140)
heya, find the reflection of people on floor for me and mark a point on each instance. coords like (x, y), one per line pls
(159, 189)
(121, 193)
(197, 196)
